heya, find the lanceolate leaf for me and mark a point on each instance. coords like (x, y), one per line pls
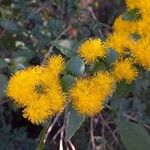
(73, 124)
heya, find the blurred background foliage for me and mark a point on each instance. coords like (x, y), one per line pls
(28, 29)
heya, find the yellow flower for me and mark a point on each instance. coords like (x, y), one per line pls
(37, 87)
(22, 85)
(132, 4)
(141, 52)
(125, 26)
(144, 28)
(49, 105)
(105, 82)
(38, 112)
(138, 4)
(88, 95)
(143, 7)
(56, 64)
(92, 49)
(119, 41)
(124, 70)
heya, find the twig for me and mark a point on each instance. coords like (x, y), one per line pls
(50, 128)
(2, 33)
(108, 127)
(41, 8)
(92, 12)
(92, 134)
(3, 102)
(94, 17)
(61, 140)
(108, 107)
(71, 145)
(135, 120)
(63, 128)
(50, 50)
(58, 132)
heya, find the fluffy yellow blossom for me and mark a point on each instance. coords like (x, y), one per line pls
(22, 85)
(133, 4)
(56, 64)
(92, 49)
(141, 52)
(41, 110)
(125, 26)
(105, 82)
(38, 89)
(143, 22)
(88, 95)
(143, 5)
(144, 28)
(119, 41)
(38, 112)
(124, 70)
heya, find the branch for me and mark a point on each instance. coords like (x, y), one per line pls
(92, 134)
(51, 127)
(51, 48)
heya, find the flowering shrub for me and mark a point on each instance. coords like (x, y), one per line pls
(88, 94)
(83, 82)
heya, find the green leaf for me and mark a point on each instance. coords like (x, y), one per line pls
(8, 41)
(18, 63)
(24, 52)
(97, 66)
(111, 57)
(74, 122)
(75, 66)
(20, 60)
(56, 26)
(67, 81)
(41, 145)
(133, 136)
(122, 89)
(131, 15)
(135, 36)
(8, 25)
(35, 17)
(3, 63)
(66, 47)
(71, 7)
(116, 101)
(3, 84)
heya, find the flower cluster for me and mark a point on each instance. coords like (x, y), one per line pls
(38, 90)
(133, 35)
(131, 40)
(124, 70)
(88, 95)
(92, 49)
